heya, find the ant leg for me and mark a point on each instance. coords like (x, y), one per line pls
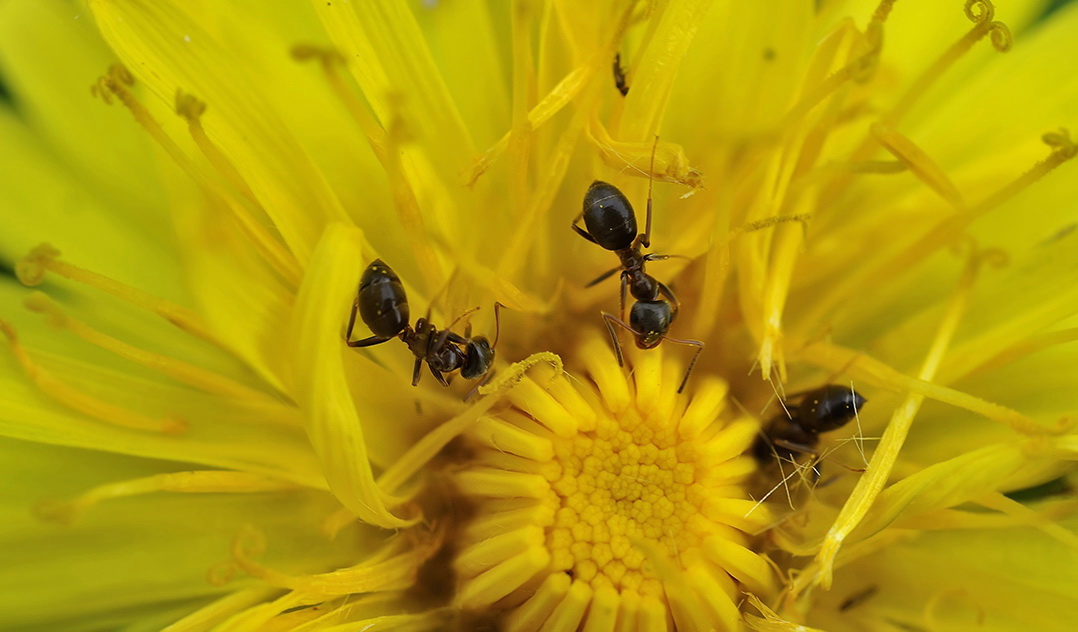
(610, 319)
(665, 291)
(415, 370)
(654, 257)
(580, 231)
(646, 241)
(696, 356)
(367, 342)
(604, 276)
(624, 282)
(438, 375)
(352, 318)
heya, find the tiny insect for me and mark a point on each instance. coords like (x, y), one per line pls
(620, 82)
(383, 306)
(797, 430)
(611, 223)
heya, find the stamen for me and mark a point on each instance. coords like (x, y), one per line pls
(944, 233)
(1015, 509)
(31, 272)
(568, 90)
(83, 403)
(196, 482)
(981, 13)
(385, 147)
(1063, 149)
(338, 520)
(871, 484)
(860, 68)
(393, 567)
(560, 96)
(116, 83)
(924, 168)
(178, 370)
(329, 61)
(426, 448)
(218, 611)
(1022, 349)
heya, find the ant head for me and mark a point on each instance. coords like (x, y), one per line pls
(650, 320)
(828, 407)
(478, 358)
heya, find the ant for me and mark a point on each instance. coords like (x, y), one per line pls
(611, 223)
(383, 305)
(620, 81)
(798, 431)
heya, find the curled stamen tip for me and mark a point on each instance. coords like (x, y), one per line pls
(57, 511)
(40, 303)
(189, 106)
(221, 573)
(979, 11)
(249, 542)
(30, 270)
(120, 74)
(1001, 37)
(1061, 142)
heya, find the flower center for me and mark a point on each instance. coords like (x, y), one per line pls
(604, 499)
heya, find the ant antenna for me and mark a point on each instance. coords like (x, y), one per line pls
(497, 323)
(646, 241)
(610, 319)
(461, 317)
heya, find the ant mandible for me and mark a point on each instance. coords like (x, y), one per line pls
(798, 430)
(611, 223)
(383, 305)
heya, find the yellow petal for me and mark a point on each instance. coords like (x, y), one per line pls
(333, 426)
(51, 87)
(130, 558)
(221, 432)
(167, 51)
(993, 580)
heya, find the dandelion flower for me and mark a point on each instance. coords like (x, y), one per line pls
(872, 195)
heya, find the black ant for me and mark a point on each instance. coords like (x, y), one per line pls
(611, 223)
(619, 76)
(383, 305)
(798, 430)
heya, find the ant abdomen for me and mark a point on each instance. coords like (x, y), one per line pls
(609, 216)
(828, 408)
(383, 305)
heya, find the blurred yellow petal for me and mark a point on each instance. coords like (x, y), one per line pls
(291, 190)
